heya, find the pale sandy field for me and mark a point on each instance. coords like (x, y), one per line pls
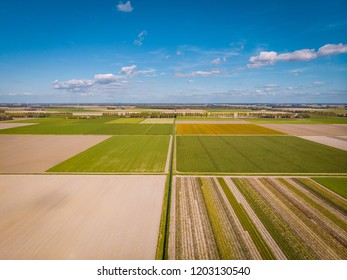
(310, 129)
(80, 217)
(87, 113)
(158, 121)
(37, 153)
(210, 122)
(12, 125)
(336, 142)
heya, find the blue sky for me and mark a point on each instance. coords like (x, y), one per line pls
(155, 51)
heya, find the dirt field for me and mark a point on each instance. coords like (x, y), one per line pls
(12, 125)
(335, 142)
(37, 153)
(79, 217)
(310, 129)
(158, 121)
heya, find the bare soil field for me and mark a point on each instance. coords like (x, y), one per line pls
(12, 125)
(335, 142)
(80, 217)
(37, 153)
(210, 122)
(158, 121)
(310, 129)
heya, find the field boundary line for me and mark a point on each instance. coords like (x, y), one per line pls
(168, 157)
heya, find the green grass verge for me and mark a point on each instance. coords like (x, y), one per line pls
(257, 154)
(337, 185)
(247, 223)
(164, 229)
(88, 126)
(120, 154)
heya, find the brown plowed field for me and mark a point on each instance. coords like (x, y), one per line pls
(310, 129)
(37, 153)
(80, 217)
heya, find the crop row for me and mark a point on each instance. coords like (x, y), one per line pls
(258, 218)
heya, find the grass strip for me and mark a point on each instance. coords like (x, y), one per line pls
(164, 229)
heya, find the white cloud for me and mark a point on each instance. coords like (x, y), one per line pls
(147, 72)
(300, 55)
(107, 78)
(330, 49)
(216, 61)
(219, 60)
(319, 83)
(179, 53)
(296, 72)
(198, 73)
(101, 80)
(128, 70)
(140, 38)
(270, 58)
(73, 85)
(124, 7)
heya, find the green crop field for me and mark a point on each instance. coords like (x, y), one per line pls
(98, 126)
(126, 120)
(257, 154)
(120, 154)
(337, 185)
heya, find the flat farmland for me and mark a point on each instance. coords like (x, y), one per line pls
(211, 121)
(337, 185)
(158, 121)
(126, 120)
(310, 129)
(255, 218)
(256, 154)
(312, 120)
(37, 153)
(121, 154)
(4, 125)
(80, 217)
(223, 129)
(89, 127)
(339, 142)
